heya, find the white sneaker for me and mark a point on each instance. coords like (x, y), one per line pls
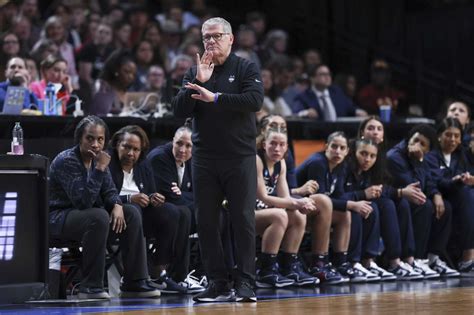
(193, 284)
(421, 265)
(405, 271)
(442, 268)
(383, 274)
(368, 273)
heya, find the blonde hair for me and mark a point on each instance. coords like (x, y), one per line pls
(268, 132)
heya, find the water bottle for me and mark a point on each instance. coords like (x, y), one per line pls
(17, 139)
(50, 100)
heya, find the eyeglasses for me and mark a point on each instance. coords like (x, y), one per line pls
(217, 37)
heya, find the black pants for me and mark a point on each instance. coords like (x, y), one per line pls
(396, 228)
(461, 199)
(431, 234)
(92, 228)
(235, 180)
(192, 211)
(365, 235)
(169, 225)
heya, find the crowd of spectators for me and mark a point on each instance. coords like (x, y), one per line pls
(159, 43)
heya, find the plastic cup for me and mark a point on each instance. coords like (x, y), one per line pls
(41, 105)
(385, 113)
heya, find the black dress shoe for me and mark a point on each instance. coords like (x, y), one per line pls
(138, 289)
(92, 293)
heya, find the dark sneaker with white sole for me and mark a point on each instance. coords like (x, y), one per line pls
(244, 292)
(166, 285)
(327, 274)
(296, 272)
(270, 277)
(215, 292)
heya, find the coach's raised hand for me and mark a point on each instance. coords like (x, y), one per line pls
(205, 67)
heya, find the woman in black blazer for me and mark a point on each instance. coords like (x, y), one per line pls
(163, 221)
(171, 166)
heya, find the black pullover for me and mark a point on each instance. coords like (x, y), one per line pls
(225, 129)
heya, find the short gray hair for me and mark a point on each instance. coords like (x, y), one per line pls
(217, 21)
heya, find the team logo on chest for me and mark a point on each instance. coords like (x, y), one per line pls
(231, 78)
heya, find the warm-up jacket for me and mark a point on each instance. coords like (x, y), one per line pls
(406, 170)
(355, 185)
(441, 173)
(316, 167)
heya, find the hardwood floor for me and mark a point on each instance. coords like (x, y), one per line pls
(443, 301)
(442, 296)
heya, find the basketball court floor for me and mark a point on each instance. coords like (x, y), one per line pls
(442, 296)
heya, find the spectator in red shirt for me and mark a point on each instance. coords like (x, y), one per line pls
(379, 91)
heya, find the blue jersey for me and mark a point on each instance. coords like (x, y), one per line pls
(271, 180)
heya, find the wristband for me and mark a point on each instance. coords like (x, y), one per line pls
(216, 96)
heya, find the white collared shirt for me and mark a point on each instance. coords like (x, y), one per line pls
(129, 187)
(447, 159)
(180, 169)
(330, 111)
